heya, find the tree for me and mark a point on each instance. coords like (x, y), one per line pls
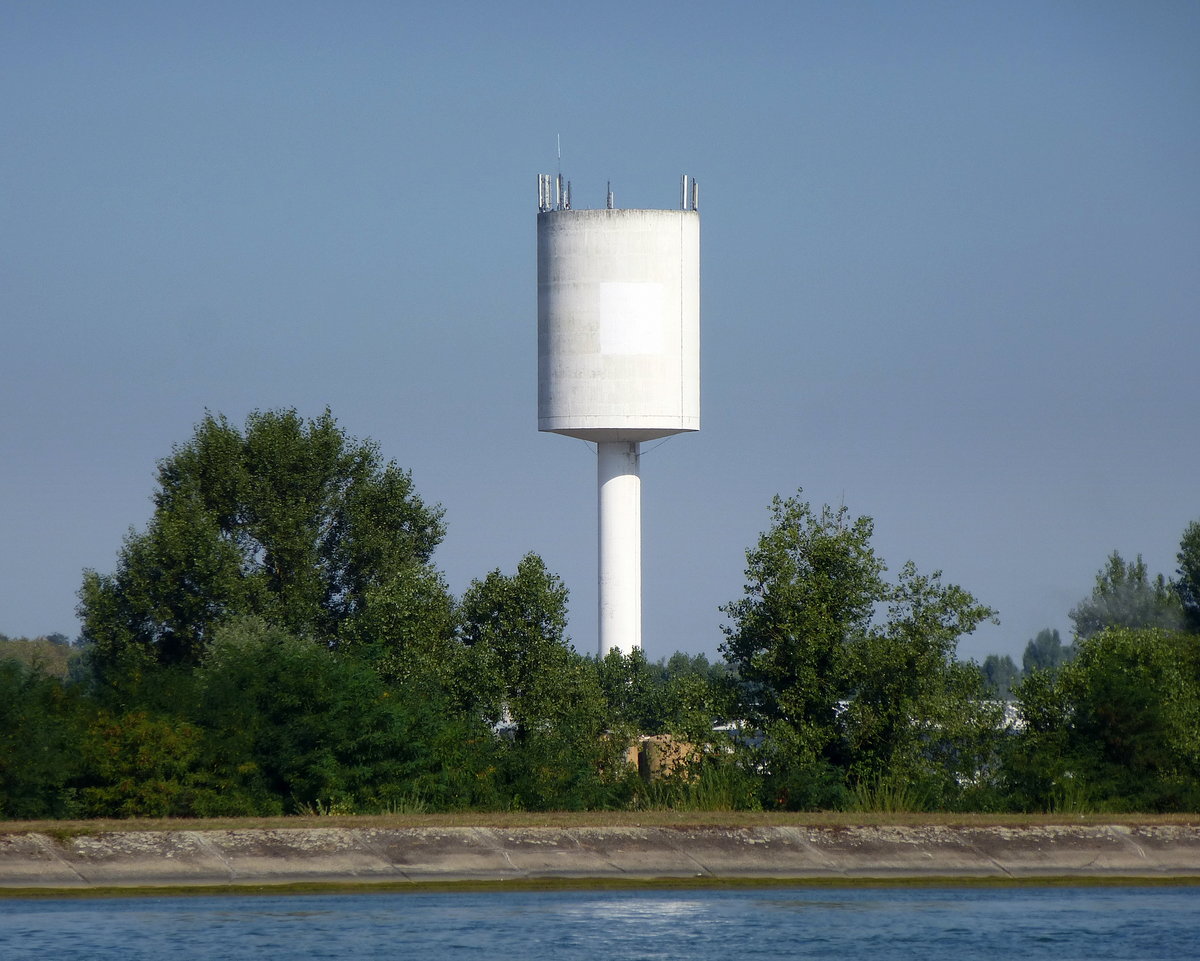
(50, 653)
(406, 629)
(1117, 728)
(516, 626)
(289, 520)
(297, 725)
(1187, 587)
(683, 695)
(40, 728)
(999, 674)
(528, 674)
(1125, 596)
(842, 698)
(142, 765)
(1046, 652)
(811, 585)
(916, 719)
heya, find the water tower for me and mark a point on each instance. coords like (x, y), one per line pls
(618, 361)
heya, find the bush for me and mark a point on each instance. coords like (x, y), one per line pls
(40, 724)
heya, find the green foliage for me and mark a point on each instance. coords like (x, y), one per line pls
(1046, 652)
(844, 698)
(406, 628)
(562, 752)
(142, 765)
(51, 654)
(293, 720)
(633, 692)
(40, 726)
(792, 778)
(914, 710)
(999, 674)
(718, 784)
(516, 628)
(887, 794)
(811, 585)
(277, 641)
(1035, 762)
(1118, 728)
(1187, 586)
(1125, 596)
(684, 696)
(289, 520)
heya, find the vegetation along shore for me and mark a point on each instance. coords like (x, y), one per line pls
(278, 642)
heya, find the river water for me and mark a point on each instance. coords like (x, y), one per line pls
(930, 924)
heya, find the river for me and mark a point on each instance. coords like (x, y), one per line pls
(874, 923)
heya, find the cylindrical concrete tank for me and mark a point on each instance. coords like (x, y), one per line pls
(618, 323)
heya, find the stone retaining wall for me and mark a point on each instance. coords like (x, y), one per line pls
(349, 855)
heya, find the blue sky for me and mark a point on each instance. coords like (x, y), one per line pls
(950, 258)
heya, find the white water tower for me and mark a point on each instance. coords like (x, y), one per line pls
(618, 361)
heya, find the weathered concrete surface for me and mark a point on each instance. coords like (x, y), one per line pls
(349, 855)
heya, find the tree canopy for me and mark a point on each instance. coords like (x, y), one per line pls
(1187, 585)
(1126, 596)
(288, 519)
(277, 639)
(846, 697)
(999, 672)
(1117, 728)
(516, 627)
(1046, 652)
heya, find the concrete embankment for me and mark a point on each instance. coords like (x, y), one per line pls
(117, 859)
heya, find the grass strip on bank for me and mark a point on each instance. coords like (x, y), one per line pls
(595, 819)
(318, 888)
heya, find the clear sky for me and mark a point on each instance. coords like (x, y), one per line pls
(950, 256)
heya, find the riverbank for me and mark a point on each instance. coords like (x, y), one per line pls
(175, 856)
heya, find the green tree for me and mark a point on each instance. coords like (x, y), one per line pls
(561, 753)
(844, 699)
(1187, 586)
(1035, 772)
(917, 721)
(1117, 728)
(516, 628)
(1046, 652)
(999, 674)
(139, 764)
(811, 585)
(683, 695)
(51, 653)
(295, 725)
(290, 520)
(1125, 596)
(634, 692)
(41, 723)
(406, 629)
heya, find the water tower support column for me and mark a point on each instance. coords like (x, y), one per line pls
(619, 488)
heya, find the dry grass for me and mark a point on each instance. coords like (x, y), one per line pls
(575, 819)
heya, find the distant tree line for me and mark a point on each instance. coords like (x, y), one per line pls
(278, 640)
